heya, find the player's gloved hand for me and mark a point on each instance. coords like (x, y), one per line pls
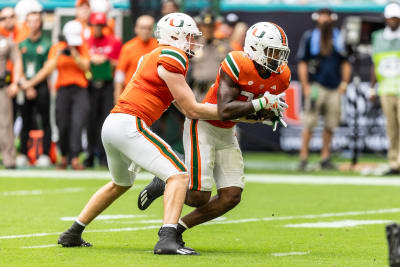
(275, 121)
(270, 101)
(275, 103)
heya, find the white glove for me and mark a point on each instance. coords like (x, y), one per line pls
(275, 103)
(271, 102)
(275, 121)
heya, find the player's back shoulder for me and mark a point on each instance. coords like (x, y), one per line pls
(172, 58)
(238, 64)
(173, 51)
(240, 58)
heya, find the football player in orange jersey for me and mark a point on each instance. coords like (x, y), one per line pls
(130, 144)
(212, 153)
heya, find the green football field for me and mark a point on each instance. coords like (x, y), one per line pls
(283, 220)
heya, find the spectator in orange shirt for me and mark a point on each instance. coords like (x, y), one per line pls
(71, 59)
(233, 29)
(10, 28)
(132, 51)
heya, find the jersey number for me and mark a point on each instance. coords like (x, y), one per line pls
(249, 95)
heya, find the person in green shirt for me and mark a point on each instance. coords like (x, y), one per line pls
(36, 100)
(386, 72)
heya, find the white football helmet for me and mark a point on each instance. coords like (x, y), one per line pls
(266, 43)
(178, 30)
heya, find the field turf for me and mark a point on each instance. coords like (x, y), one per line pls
(34, 210)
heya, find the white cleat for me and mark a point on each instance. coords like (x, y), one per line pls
(43, 161)
(22, 161)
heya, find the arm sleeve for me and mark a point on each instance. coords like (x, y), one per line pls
(122, 65)
(231, 67)
(84, 51)
(52, 52)
(173, 61)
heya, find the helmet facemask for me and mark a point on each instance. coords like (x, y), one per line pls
(275, 59)
(192, 47)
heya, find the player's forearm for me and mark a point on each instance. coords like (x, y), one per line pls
(48, 67)
(234, 110)
(202, 112)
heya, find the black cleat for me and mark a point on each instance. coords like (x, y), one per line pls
(302, 165)
(393, 238)
(151, 192)
(68, 239)
(327, 164)
(168, 245)
(181, 243)
(179, 231)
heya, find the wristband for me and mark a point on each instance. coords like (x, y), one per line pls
(259, 103)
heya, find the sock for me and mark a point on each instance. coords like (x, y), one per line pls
(183, 224)
(77, 227)
(182, 227)
(170, 225)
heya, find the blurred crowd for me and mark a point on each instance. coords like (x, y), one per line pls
(82, 75)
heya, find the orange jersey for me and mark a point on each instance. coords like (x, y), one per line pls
(131, 52)
(147, 96)
(241, 69)
(69, 72)
(19, 33)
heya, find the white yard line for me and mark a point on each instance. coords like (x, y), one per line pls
(42, 191)
(312, 216)
(322, 180)
(42, 246)
(250, 178)
(59, 174)
(336, 224)
(323, 215)
(108, 217)
(293, 253)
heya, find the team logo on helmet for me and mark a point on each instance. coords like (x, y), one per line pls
(173, 23)
(260, 35)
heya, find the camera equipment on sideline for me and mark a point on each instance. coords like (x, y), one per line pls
(357, 32)
(66, 51)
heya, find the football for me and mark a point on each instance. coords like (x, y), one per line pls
(265, 114)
